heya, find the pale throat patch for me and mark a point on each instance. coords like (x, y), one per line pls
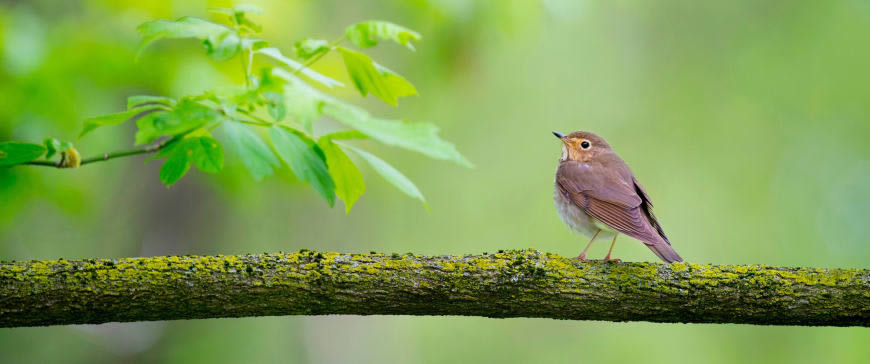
(564, 153)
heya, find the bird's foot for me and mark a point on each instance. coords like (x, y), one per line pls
(582, 257)
(607, 259)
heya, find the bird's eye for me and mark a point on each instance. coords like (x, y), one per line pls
(585, 145)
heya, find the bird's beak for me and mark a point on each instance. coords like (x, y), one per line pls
(559, 135)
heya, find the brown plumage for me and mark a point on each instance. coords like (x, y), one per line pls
(595, 190)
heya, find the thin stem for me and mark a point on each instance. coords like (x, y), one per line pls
(213, 127)
(145, 150)
(250, 63)
(246, 67)
(260, 121)
(106, 156)
(254, 123)
(42, 163)
(320, 55)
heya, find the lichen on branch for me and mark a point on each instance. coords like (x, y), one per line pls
(523, 283)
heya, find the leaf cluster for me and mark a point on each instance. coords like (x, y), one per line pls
(269, 119)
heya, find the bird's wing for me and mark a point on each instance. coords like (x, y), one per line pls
(609, 196)
(646, 206)
(595, 181)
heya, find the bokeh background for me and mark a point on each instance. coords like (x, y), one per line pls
(747, 121)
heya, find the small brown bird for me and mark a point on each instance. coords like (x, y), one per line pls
(597, 195)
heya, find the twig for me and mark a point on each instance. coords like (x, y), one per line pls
(107, 156)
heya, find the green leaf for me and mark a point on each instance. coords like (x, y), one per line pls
(419, 137)
(345, 135)
(231, 97)
(206, 153)
(349, 184)
(223, 46)
(308, 48)
(370, 77)
(248, 8)
(203, 151)
(255, 154)
(185, 27)
(302, 101)
(146, 132)
(275, 54)
(91, 124)
(366, 34)
(221, 42)
(186, 116)
(247, 23)
(254, 44)
(176, 166)
(389, 173)
(166, 151)
(146, 100)
(12, 153)
(305, 159)
(52, 145)
(275, 105)
(238, 16)
(270, 82)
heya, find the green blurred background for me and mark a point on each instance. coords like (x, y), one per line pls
(747, 121)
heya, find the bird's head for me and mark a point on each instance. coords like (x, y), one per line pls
(582, 146)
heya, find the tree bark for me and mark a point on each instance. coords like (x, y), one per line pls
(522, 283)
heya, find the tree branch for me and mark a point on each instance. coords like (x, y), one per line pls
(507, 284)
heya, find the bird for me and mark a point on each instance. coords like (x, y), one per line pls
(597, 195)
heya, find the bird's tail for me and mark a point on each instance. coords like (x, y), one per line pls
(664, 251)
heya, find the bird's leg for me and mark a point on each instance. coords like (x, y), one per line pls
(582, 255)
(607, 258)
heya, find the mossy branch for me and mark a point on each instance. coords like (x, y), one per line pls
(510, 284)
